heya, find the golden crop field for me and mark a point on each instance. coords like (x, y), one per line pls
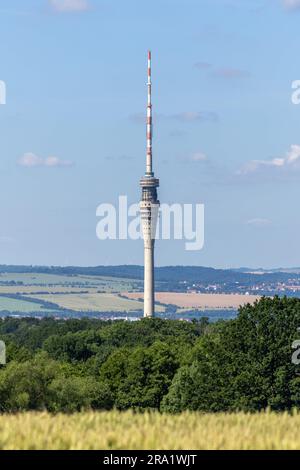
(93, 302)
(127, 430)
(200, 301)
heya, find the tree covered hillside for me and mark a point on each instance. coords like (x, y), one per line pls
(171, 366)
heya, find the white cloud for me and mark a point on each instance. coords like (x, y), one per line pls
(293, 155)
(54, 162)
(30, 160)
(291, 4)
(198, 157)
(258, 222)
(65, 6)
(290, 161)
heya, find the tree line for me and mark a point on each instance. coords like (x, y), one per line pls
(167, 365)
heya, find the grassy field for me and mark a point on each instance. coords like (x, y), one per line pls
(36, 289)
(94, 302)
(198, 301)
(115, 430)
(36, 278)
(14, 305)
(106, 284)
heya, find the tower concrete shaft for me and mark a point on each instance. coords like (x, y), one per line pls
(149, 207)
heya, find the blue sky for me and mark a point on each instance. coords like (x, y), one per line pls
(72, 137)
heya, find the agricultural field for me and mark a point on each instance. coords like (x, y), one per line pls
(198, 301)
(113, 284)
(37, 289)
(78, 293)
(106, 284)
(16, 305)
(89, 293)
(132, 431)
(93, 302)
(40, 279)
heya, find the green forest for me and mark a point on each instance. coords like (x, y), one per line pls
(243, 364)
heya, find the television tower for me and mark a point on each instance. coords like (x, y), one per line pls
(149, 207)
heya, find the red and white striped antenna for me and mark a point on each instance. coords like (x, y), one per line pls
(149, 121)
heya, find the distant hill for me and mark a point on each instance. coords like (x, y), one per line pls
(189, 274)
(262, 270)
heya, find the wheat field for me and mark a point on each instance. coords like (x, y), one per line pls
(92, 302)
(198, 301)
(127, 430)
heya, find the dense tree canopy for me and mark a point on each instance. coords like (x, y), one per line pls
(244, 364)
(241, 364)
